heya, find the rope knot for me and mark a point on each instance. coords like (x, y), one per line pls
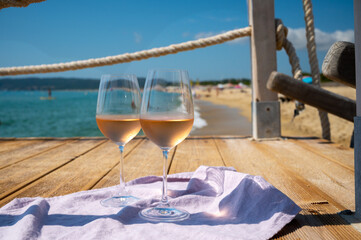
(281, 33)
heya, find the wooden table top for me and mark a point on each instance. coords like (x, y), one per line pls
(317, 175)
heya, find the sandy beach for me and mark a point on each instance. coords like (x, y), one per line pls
(221, 120)
(306, 124)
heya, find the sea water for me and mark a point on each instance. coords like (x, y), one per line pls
(68, 114)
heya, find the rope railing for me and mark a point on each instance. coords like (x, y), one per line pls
(281, 42)
(129, 57)
(312, 57)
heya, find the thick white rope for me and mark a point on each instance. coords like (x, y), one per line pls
(312, 57)
(129, 57)
(282, 42)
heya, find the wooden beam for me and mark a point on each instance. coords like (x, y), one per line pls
(357, 14)
(357, 131)
(265, 107)
(339, 63)
(317, 97)
(263, 47)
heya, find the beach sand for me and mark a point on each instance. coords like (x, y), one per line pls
(307, 124)
(221, 120)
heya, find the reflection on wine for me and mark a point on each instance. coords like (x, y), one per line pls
(118, 128)
(166, 132)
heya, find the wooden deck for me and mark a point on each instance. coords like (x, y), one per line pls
(317, 175)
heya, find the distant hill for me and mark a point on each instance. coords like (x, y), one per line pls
(59, 83)
(53, 83)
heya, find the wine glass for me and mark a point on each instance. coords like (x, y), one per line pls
(117, 117)
(166, 117)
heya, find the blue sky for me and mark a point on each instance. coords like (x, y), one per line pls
(59, 31)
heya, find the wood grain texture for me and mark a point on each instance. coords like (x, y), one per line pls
(12, 145)
(319, 209)
(78, 175)
(194, 152)
(28, 150)
(263, 47)
(144, 160)
(333, 179)
(20, 175)
(316, 174)
(333, 152)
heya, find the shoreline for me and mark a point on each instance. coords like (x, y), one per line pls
(220, 120)
(306, 124)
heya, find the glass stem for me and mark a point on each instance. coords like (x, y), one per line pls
(122, 179)
(164, 201)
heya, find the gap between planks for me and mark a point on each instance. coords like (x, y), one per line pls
(4, 196)
(63, 142)
(93, 184)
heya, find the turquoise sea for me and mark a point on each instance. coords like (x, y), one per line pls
(69, 114)
(27, 114)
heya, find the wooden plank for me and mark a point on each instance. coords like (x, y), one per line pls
(314, 96)
(319, 209)
(19, 175)
(194, 152)
(78, 175)
(332, 151)
(145, 160)
(29, 150)
(334, 179)
(11, 145)
(339, 63)
(245, 156)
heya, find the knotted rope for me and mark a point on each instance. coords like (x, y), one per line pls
(129, 57)
(312, 58)
(282, 42)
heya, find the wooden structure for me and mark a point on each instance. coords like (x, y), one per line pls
(357, 121)
(309, 94)
(339, 63)
(316, 174)
(342, 64)
(265, 106)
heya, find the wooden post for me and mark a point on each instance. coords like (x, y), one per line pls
(357, 120)
(309, 94)
(265, 107)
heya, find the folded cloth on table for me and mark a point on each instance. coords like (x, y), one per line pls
(223, 204)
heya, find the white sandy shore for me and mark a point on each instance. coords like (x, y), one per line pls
(307, 124)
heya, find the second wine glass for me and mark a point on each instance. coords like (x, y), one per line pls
(117, 117)
(167, 118)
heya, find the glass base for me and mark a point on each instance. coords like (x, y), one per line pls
(119, 201)
(164, 214)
